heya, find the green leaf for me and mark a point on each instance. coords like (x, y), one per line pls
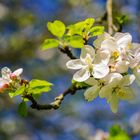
(76, 29)
(117, 133)
(80, 27)
(22, 109)
(57, 28)
(76, 41)
(50, 43)
(38, 86)
(96, 30)
(122, 19)
(88, 23)
(120, 137)
(19, 91)
(79, 84)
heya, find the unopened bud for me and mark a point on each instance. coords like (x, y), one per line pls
(13, 76)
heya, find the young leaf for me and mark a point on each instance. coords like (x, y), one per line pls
(76, 29)
(22, 109)
(96, 30)
(50, 43)
(39, 86)
(122, 19)
(76, 41)
(89, 23)
(80, 27)
(117, 133)
(19, 91)
(57, 28)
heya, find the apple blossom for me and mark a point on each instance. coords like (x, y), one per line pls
(8, 76)
(117, 47)
(92, 92)
(87, 65)
(117, 89)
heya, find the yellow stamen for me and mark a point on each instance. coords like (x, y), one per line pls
(115, 54)
(129, 46)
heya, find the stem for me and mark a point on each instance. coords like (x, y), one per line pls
(57, 101)
(109, 16)
(66, 50)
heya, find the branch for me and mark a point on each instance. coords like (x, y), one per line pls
(109, 16)
(66, 50)
(57, 101)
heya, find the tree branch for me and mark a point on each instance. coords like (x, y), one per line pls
(57, 101)
(66, 50)
(109, 16)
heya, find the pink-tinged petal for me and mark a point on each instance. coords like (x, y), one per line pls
(4, 84)
(109, 45)
(18, 72)
(87, 50)
(134, 61)
(122, 66)
(75, 64)
(91, 93)
(100, 70)
(134, 55)
(128, 80)
(81, 75)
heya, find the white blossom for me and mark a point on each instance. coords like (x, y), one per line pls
(87, 65)
(118, 87)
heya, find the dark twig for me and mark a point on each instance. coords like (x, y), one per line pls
(67, 51)
(57, 101)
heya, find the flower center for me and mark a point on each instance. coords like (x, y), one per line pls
(118, 91)
(88, 61)
(129, 46)
(112, 68)
(115, 54)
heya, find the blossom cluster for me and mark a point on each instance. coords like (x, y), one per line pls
(9, 79)
(110, 68)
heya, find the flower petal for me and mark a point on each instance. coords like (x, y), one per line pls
(6, 73)
(91, 93)
(122, 66)
(114, 103)
(91, 81)
(112, 77)
(87, 49)
(128, 80)
(100, 39)
(136, 72)
(102, 56)
(18, 72)
(74, 64)
(123, 39)
(109, 45)
(128, 93)
(81, 75)
(100, 70)
(105, 92)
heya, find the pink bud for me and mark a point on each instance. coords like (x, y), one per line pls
(13, 76)
(4, 87)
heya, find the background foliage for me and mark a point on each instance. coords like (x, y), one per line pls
(22, 31)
